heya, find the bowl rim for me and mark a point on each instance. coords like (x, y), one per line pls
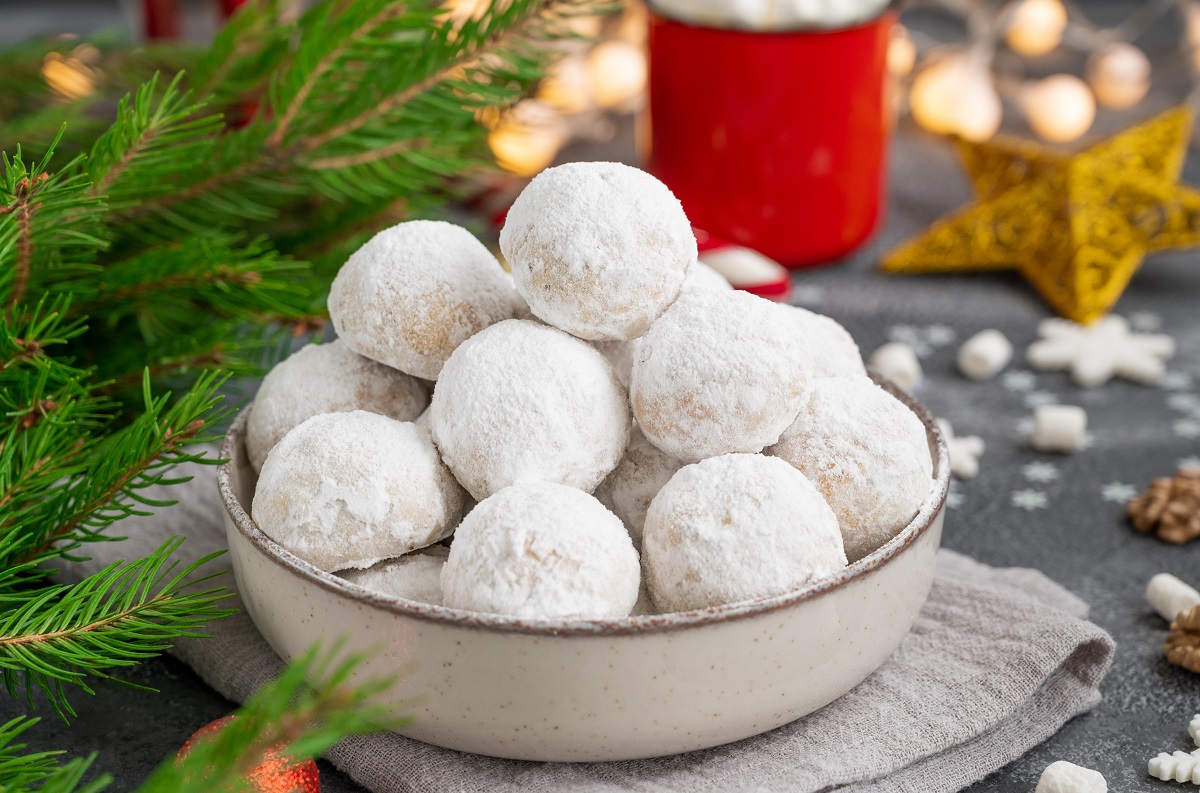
(925, 518)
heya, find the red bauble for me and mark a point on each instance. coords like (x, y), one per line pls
(275, 774)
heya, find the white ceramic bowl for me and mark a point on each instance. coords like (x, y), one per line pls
(597, 690)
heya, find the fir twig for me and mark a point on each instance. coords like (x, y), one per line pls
(127, 612)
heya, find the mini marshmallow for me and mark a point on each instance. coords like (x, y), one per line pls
(984, 355)
(1194, 728)
(1059, 428)
(1064, 777)
(1169, 596)
(965, 451)
(897, 362)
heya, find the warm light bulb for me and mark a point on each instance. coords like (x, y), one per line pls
(901, 54)
(527, 139)
(1119, 74)
(1060, 108)
(1036, 26)
(618, 73)
(955, 95)
(566, 87)
(1191, 18)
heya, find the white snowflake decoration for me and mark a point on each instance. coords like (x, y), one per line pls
(1035, 399)
(940, 335)
(1145, 321)
(965, 451)
(1187, 428)
(1184, 403)
(1118, 492)
(1030, 500)
(1020, 380)
(1094, 354)
(955, 498)
(923, 341)
(1177, 767)
(1175, 380)
(1040, 472)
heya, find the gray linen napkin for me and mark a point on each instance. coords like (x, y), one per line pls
(998, 661)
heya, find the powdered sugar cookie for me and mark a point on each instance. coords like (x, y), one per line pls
(346, 490)
(414, 292)
(720, 372)
(636, 480)
(598, 249)
(833, 351)
(524, 402)
(868, 455)
(326, 378)
(734, 528)
(413, 576)
(621, 353)
(542, 551)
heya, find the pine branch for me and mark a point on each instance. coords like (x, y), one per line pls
(106, 487)
(41, 771)
(127, 612)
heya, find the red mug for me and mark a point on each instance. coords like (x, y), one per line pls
(774, 140)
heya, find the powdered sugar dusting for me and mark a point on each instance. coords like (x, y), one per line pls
(735, 528)
(414, 576)
(542, 551)
(833, 351)
(621, 353)
(866, 452)
(630, 488)
(720, 372)
(598, 249)
(346, 490)
(326, 378)
(523, 402)
(416, 291)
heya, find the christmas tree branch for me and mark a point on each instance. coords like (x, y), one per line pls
(323, 65)
(126, 612)
(41, 771)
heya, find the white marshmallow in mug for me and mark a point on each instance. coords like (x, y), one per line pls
(984, 355)
(1169, 596)
(897, 362)
(1059, 428)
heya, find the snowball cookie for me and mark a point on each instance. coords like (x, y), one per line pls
(737, 527)
(540, 550)
(636, 480)
(866, 452)
(349, 489)
(834, 353)
(524, 402)
(413, 576)
(598, 249)
(702, 276)
(326, 378)
(720, 372)
(416, 291)
(621, 353)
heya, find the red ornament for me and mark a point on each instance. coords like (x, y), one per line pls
(275, 774)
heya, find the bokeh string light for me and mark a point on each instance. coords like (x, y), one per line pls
(957, 87)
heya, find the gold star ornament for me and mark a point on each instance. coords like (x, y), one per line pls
(1076, 226)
